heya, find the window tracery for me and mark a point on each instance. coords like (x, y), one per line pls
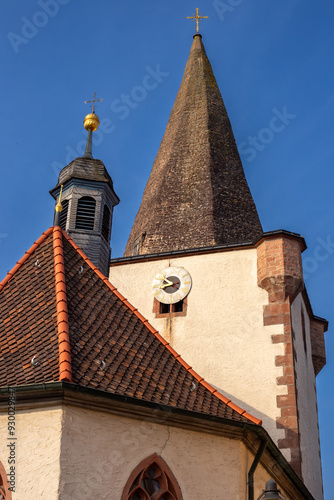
(152, 480)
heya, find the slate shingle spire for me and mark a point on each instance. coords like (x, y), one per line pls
(197, 194)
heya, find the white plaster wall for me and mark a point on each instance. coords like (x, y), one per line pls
(37, 467)
(75, 454)
(306, 401)
(100, 451)
(222, 337)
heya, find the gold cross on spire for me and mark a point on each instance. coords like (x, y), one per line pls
(94, 100)
(197, 18)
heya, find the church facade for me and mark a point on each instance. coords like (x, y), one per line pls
(184, 369)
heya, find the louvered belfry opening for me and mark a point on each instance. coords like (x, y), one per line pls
(85, 213)
(63, 215)
(106, 222)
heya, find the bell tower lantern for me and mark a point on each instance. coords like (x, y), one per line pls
(88, 200)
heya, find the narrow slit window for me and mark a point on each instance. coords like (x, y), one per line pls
(85, 213)
(136, 246)
(304, 332)
(106, 223)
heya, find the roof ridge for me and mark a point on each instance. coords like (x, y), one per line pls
(25, 257)
(65, 364)
(153, 330)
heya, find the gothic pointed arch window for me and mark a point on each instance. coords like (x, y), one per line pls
(152, 479)
(5, 492)
(85, 213)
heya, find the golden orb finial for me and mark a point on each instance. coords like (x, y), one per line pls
(91, 122)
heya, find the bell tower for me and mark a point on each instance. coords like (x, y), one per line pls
(88, 200)
(226, 296)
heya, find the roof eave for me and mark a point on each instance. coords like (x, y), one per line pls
(211, 249)
(54, 192)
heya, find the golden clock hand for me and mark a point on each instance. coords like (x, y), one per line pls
(168, 283)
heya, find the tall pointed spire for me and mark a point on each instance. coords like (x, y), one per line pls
(197, 194)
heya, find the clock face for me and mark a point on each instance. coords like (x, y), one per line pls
(171, 285)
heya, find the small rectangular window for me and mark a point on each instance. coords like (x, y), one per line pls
(178, 307)
(164, 308)
(170, 310)
(138, 244)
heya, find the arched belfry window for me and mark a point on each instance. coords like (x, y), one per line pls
(85, 213)
(106, 222)
(152, 479)
(63, 215)
(5, 493)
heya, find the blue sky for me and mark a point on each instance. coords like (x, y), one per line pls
(271, 59)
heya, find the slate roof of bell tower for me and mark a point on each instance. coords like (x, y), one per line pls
(197, 194)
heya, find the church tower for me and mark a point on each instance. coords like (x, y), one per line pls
(88, 200)
(228, 297)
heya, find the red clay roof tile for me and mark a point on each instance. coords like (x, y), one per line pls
(65, 361)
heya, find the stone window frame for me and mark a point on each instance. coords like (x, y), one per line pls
(172, 313)
(170, 488)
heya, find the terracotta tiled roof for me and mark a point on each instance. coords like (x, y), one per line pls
(61, 319)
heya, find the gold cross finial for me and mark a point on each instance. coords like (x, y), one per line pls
(94, 100)
(197, 18)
